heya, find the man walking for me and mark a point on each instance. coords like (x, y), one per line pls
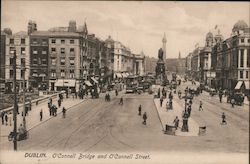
(121, 101)
(41, 115)
(200, 108)
(139, 110)
(116, 92)
(232, 102)
(144, 118)
(161, 100)
(6, 118)
(223, 116)
(176, 122)
(64, 112)
(2, 116)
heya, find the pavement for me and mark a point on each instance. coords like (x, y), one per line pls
(33, 117)
(167, 117)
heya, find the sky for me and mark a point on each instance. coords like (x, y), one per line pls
(138, 25)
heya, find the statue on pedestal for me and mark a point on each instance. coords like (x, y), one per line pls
(160, 67)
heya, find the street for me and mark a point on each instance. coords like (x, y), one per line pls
(95, 125)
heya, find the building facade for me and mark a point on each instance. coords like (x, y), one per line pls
(17, 43)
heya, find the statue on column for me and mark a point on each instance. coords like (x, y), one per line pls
(160, 67)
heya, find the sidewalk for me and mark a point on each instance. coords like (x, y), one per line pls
(33, 117)
(168, 116)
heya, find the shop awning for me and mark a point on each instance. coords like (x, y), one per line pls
(88, 83)
(118, 75)
(238, 85)
(124, 75)
(94, 80)
(35, 75)
(42, 75)
(246, 84)
(65, 83)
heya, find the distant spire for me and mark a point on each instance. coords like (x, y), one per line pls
(179, 54)
(164, 39)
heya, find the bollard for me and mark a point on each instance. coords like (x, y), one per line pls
(202, 131)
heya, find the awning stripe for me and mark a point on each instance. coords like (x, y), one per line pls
(238, 85)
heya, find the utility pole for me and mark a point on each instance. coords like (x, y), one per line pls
(15, 103)
(24, 106)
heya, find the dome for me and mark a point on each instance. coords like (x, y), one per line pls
(209, 35)
(240, 25)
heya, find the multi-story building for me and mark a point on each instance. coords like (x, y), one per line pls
(233, 55)
(39, 60)
(150, 64)
(139, 64)
(17, 43)
(195, 64)
(188, 64)
(2, 56)
(64, 60)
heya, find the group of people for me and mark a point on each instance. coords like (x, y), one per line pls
(107, 97)
(5, 118)
(53, 108)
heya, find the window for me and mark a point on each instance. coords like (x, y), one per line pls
(62, 61)
(241, 57)
(53, 49)
(62, 41)
(11, 73)
(62, 50)
(53, 61)
(44, 41)
(241, 74)
(62, 73)
(53, 41)
(53, 73)
(12, 50)
(22, 62)
(22, 41)
(72, 61)
(35, 52)
(44, 61)
(72, 50)
(72, 74)
(72, 41)
(34, 41)
(246, 74)
(242, 40)
(44, 52)
(35, 61)
(22, 73)
(11, 61)
(23, 50)
(11, 41)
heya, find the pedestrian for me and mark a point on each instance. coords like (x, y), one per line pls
(176, 122)
(161, 100)
(223, 116)
(200, 108)
(2, 116)
(64, 112)
(121, 101)
(170, 104)
(6, 118)
(144, 118)
(139, 110)
(190, 102)
(76, 94)
(59, 102)
(41, 115)
(189, 110)
(116, 92)
(232, 102)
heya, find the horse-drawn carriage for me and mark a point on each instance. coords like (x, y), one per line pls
(238, 98)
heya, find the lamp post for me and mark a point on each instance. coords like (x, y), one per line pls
(15, 103)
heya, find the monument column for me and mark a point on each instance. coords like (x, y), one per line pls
(164, 41)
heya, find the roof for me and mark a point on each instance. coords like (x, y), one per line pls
(55, 34)
(20, 33)
(240, 25)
